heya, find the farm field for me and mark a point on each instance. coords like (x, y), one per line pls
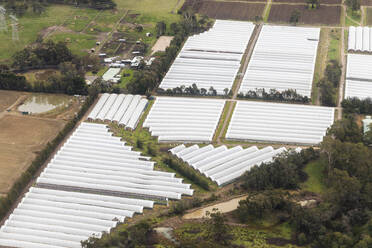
(304, 1)
(324, 15)
(7, 98)
(230, 10)
(369, 16)
(22, 136)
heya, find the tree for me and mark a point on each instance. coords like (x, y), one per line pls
(327, 93)
(295, 16)
(161, 28)
(37, 7)
(333, 72)
(219, 230)
(314, 3)
(353, 4)
(226, 91)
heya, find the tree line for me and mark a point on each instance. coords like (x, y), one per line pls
(191, 90)
(70, 80)
(329, 83)
(289, 95)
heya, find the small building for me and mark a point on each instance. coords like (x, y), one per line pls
(122, 40)
(111, 75)
(366, 123)
(136, 61)
(98, 43)
(102, 55)
(149, 62)
(148, 34)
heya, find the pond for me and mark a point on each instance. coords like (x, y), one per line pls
(40, 103)
(223, 207)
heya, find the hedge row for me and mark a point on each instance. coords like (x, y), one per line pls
(26, 177)
(187, 171)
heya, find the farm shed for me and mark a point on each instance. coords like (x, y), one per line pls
(184, 119)
(282, 123)
(358, 76)
(283, 58)
(87, 188)
(111, 75)
(221, 164)
(211, 58)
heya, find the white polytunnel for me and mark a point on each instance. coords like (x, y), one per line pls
(93, 182)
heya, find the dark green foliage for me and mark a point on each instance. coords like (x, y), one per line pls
(289, 95)
(41, 55)
(138, 235)
(353, 4)
(295, 16)
(180, 207)
(333, 72)
(328, 85)
(258, 204)
(10, 81)
(41, 158)
(327, 93)
(284, 172)
(357, 106)
(192, 90)
(187, 172)
(346, 130)
(161, 28)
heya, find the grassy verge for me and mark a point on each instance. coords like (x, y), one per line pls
(320, 63)
(228, 122)
(222, 120)
(315, 181)
(334, 48)
(266, 12)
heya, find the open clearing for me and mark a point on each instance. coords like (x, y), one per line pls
(324, 15)
(7, 98)
(304, 1)
(20, 138)
(161, 44)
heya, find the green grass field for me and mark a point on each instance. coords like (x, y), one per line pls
(334, 47)
(315, 181)
(126, 80)
(352, 18)
(76, 20)
(30, 26)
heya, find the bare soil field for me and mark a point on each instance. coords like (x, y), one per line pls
(7, 98)
(231, 10)
(369, 16)
(161, 44)
(304, 1)
(21, 137)
(366, 2)
(329, 15)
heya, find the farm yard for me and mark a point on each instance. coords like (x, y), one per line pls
(328, 15)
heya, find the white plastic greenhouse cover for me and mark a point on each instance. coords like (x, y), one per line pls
(124, 109)
(56, 213)
(210, 59)
(358, 76)
(224, 165)
(283, 58)
(97, 108)
(184, 119)
(276, 122)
